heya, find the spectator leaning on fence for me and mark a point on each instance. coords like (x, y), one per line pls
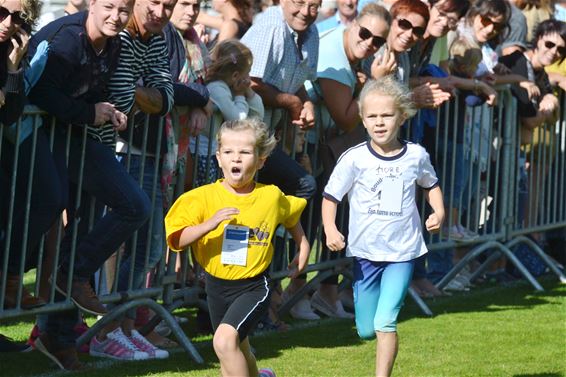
(284, 45)
(16, 20)
(46, 202)
(380, 177)
(83, 55)
(230, 225)
(142, 77)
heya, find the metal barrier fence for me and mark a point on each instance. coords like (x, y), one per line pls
(477, 152)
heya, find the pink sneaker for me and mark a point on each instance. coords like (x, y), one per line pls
(146, 346)
(266, 372)
(116, 346)
(33, 336)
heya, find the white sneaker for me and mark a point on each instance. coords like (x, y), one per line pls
(336, 310)
(470, 235)
(162, 329)
(116, 346)
(146, 346)
(455, 285)
(303, 310)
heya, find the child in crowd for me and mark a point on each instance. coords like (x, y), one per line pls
(230, 225)
(380, 177)
(465, 57)
(228, 81)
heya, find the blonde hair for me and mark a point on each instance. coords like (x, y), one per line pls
(265, 142)
(228, 56)
(390, 87)
(375, 10)
(464, 51)
(31, 9)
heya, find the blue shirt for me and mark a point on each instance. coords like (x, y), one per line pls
(329, 23)
(276, 54)
(334, 65)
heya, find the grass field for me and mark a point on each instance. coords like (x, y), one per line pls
(491, 331)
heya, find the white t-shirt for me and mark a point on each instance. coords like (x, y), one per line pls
(384, 225)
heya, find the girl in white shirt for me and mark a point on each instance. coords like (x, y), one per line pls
(380, 177)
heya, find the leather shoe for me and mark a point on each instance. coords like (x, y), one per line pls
(65, 358)
(82, 295)
(11, 298)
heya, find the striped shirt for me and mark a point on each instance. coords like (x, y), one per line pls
(146, 60)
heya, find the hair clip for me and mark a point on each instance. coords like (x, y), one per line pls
(233, 57)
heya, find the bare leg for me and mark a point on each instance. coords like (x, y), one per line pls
(250, 358)
(329, 292)
(387, 347)
(102, 334)
(128, 326)
(227, 347)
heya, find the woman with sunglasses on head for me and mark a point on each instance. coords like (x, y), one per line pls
(339, 81)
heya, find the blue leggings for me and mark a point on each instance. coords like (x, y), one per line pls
(379, 291)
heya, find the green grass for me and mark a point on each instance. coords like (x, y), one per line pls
(491, 331)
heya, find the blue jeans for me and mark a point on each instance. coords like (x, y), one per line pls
(148, 245)
(47, 199)
(105, 179)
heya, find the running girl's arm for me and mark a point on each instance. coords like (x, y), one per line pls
(192, 233)
(302, 258)
(436, 201)
(334, 239)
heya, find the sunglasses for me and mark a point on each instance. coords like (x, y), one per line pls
(497, 26)
(550, 45)
(376, 40)
(407, 25)
(16, 16)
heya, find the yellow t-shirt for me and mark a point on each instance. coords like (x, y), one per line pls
(261, 211)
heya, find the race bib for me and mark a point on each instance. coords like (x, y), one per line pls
(235, 245)
(391, 194)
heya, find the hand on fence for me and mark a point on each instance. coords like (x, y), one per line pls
(488, 92)
(103, 113)
(429, 96)
(334, 240)
(306, 116)
(119, 120)
(197, 121)
(549, 103)
(532, 89)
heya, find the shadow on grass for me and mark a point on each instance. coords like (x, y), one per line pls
(518, 296)
(540, 375)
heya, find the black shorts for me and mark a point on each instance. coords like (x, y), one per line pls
(238, 303)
